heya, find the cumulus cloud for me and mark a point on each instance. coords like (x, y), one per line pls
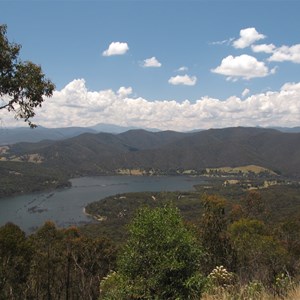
(75, 105)
(285, 53)
(124, 92)
(291, 87)
(243, 66)
(151, 63)
(116, 48)
(266, 48)
(248, 36)
(183, 80)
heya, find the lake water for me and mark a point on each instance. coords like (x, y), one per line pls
(65, 207)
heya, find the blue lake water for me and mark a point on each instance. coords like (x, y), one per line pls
(65, 207)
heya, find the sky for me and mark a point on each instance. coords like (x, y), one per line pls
(172, 65)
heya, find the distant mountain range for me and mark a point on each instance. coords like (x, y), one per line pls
(14, 135)
(287, 129)
(99, 153)
(9, 136)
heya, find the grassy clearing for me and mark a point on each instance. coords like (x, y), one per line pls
(242, 169)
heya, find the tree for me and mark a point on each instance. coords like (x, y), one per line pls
(161, 259)
(22, 84)
(87, 261)
(213, 233)
(254, 206)
(260, 255)
(44, 278)
(67, 265)
(15, 256)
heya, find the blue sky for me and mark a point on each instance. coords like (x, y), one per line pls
(167, 64)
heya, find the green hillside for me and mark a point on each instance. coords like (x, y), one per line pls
(166, 152)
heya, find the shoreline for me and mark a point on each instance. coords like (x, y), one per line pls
(97, 218)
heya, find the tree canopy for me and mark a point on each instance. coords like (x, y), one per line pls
(161, 259)
(23, 85)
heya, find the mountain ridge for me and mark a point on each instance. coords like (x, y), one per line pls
(13, 135)
(100, 153)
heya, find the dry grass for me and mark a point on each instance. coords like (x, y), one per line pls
(244, 169)
(243, 295)
(294, 295)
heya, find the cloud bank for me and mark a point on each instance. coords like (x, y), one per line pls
(75, 105)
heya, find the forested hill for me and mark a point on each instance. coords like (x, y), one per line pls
(101, 153)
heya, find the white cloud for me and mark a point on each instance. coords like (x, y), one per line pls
(116, 48)
(285, 53)
(124, 92)
(182, 69)
(248, 36)
(266, 48)
(151, 63)
(183, 80)
(245, 92)
(243, 66)
(75, 105)
(291, 87)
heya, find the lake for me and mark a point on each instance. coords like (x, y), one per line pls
(65, 207)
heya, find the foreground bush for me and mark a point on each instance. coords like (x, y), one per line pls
(161, 260)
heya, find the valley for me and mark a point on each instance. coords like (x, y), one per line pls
(27, 167)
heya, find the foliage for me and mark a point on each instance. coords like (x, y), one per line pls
(116, 212)
(22, 84)
(68, 264)
(259, 254)
(288, 231)
(213, 226)
(160, 257)
(117, 286)
(52, 263)
(254, 207)
(283, 284)
(283, 203)
(15, 256)
(253, 289)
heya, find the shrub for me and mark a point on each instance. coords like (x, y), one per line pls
(161, 259)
